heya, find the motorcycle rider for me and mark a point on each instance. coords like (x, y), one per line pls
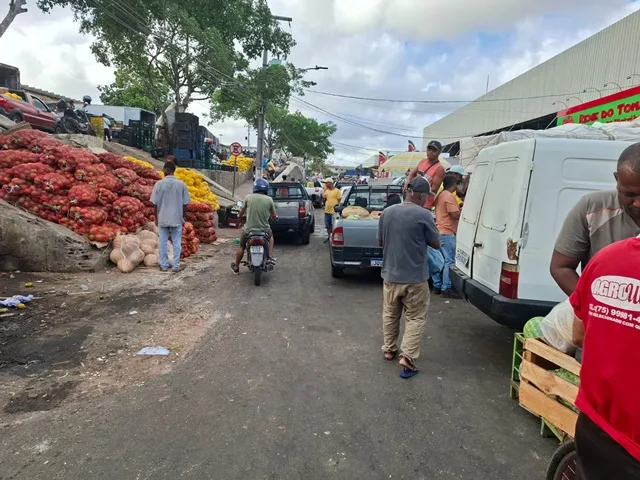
(258, 208)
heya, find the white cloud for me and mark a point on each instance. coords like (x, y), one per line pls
(373, 48)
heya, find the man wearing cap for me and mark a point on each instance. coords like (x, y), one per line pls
(404, 232)
(432, 169)
(332, 197)
(461, 189)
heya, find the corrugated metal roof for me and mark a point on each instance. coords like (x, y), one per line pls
(608, 56)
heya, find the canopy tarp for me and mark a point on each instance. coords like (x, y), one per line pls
(371, 162)
(404, 161)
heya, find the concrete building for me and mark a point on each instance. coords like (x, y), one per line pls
(533, 100)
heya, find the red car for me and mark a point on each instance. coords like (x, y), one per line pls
(31, 110)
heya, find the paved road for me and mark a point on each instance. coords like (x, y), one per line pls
(290, 384)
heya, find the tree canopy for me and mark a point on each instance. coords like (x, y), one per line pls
(187, 46)
(131, 90)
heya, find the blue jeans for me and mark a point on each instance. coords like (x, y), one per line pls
(442, 280)
(176, 239)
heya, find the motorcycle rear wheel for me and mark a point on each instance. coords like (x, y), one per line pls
(563, 464)
(257, 274)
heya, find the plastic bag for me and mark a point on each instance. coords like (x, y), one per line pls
(436, 261)
(557, 327)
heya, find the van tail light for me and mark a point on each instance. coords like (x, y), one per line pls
(337, 236)
(509, 276)
(302, 211)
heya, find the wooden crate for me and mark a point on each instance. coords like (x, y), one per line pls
(540, 390)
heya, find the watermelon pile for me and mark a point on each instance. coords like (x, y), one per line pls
(98, 196)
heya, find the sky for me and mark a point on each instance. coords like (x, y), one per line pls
(397, 49)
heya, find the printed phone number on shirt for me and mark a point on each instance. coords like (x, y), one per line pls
(613, 315)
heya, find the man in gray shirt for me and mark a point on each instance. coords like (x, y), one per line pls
(170, 197)
(404, 231)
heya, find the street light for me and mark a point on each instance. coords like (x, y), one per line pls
(569, 99)
(613, 83)
(314, 68)
(592, 88)
(558, 101)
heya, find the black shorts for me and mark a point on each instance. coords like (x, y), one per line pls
(244, 236)
(600, 457)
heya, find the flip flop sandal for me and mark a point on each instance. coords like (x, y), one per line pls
(235, 269)
(408, 372)
(390, 358)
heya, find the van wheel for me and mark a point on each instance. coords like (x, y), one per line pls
(337, 272)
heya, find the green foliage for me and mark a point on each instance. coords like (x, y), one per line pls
(131, 90)
(300, 136)
(190, 45)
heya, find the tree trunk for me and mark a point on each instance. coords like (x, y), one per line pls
(16, 7)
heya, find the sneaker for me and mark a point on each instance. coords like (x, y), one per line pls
(179, 269)
(163, 270)
(451, 294)
(436, 291)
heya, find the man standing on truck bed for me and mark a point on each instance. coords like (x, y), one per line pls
(332, 196)
(404, 231)
(597, 220)
(432, 169)
(606, 304)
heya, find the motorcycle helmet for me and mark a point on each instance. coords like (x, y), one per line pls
(261, 186)
(86, 99)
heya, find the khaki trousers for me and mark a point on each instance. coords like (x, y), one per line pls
(412, 299)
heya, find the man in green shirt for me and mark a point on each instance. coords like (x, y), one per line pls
(259, 209)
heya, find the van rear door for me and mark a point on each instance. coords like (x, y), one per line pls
(470, 216)
(495, 249)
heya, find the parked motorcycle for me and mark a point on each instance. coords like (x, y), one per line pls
(72, 120)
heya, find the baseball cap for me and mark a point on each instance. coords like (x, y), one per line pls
(420, 185)
(459, 169)
(435, 144)
(328, 180)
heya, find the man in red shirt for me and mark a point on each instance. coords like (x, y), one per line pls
(607, 308)
(432, 168)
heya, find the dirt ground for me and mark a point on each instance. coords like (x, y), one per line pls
(79, 336)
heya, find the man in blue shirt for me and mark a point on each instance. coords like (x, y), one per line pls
(170, 197)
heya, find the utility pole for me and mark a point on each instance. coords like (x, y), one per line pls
(263, 108)
(248, 137)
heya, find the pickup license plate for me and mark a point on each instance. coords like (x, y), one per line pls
(258, 249)
(462, 258)
(376, 262)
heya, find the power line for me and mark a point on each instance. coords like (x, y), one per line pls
(437, 102)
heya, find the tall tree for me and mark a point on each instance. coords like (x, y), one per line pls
(131, 90)
(16, 7)
(299, 136)
(191, 44)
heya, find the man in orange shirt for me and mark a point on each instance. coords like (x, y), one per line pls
(432, 168)
(447, 217)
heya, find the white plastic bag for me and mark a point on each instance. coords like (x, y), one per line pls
(557, 327)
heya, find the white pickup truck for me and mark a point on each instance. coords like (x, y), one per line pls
(315, 194)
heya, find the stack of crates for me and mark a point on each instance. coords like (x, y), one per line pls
(186, 131)
(138, 134)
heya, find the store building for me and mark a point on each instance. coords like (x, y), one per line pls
(599, 74)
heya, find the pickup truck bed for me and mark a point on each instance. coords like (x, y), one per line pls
(354, 243)
(31, 110)
(294, 209)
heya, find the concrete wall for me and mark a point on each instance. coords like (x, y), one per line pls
(31, 244)
(225, 179)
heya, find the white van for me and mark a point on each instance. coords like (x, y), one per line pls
(519, 195)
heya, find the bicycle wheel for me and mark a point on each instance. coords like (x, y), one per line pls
(563, 464)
